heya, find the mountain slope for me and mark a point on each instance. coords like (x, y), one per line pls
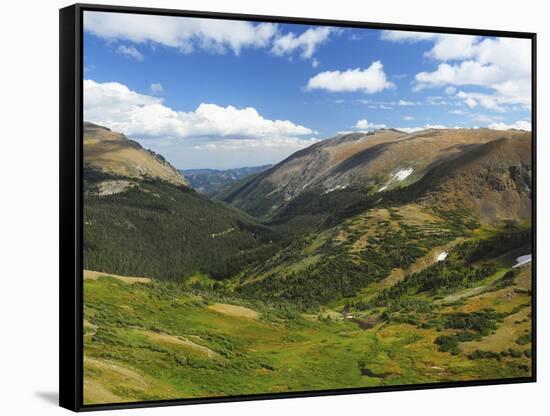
(374, 162)
(114, 153)
(492, 181)
(364, 240)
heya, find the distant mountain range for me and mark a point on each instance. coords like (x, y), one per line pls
(212, 181)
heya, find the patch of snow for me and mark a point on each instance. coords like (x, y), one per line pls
(442, 256)
(521, 260)
(401, 175)
(336, 188)
(222, 233)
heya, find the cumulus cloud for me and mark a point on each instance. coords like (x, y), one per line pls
(370, 80)
(518, 125)
(184, 34)
(116, 106)
(306, 43)
(130, 52)
(453, 47)
(500, 65)
(446, 46)
(364, 124)
(500, 101)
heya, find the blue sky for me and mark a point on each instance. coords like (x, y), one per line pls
(223, 94)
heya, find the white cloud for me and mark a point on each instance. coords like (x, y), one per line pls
(501, 65)
(436, 100)
(464, 73)
(518, 125)
(404, 36)
(450, 90)
(452, 47)
(115, 106)
(156, 88)
(364, 124)
(314, 63)
(306, 43)
(408, 118)
(370, 80)
(500, 101)
(185, 34)
(404, 103)
(446, 46)
(130, 52)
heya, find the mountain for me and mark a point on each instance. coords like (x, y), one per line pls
(142, 219)
(365, 236)
(211, 181)
(114, 153)
(372, 163)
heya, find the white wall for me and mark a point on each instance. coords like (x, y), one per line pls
(28, 216)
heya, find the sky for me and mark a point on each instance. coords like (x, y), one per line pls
(212, 93)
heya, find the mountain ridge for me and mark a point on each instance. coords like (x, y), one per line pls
(114, 153)
(377, 161)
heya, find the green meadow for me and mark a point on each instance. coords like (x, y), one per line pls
(159, 340)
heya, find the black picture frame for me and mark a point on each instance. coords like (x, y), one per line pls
(71, 201)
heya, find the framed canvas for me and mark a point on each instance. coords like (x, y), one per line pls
(258, 207)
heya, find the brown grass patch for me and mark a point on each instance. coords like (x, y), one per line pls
(94, 392)
(234, 310)
(93, 275)
(177, 340)
(125, 373)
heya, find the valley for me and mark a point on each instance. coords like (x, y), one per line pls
(369, 259)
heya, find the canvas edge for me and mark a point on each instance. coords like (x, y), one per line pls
(70, 199)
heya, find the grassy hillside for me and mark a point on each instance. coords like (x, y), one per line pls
(147, 341)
